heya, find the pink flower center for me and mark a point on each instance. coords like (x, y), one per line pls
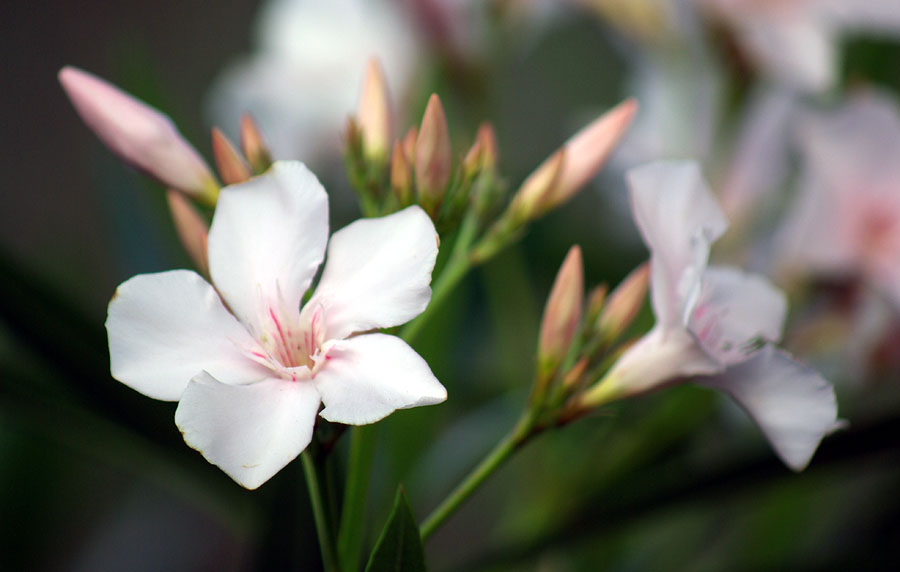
(291, 346)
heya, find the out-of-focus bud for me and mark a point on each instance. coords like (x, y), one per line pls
(254, 145)
(192, 229)
(433, 156)
(374, 115)
(401, 176)
(483, 154)
(596, 300)
(142, 136)
(580, 159)
(532, 198)
(574, 376)
(624, 304)
(231, 165)
(562, 313)
(409, 144)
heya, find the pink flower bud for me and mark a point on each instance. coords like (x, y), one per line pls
(401, 176)
(142, 136)
(433, 155)
(374, 114)
(563, 312)
(232, 167)
(254, 145)
(565, 172)
(624, 303)
(192, 229)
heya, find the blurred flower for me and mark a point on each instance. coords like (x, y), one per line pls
(795, 42)
(248, 366)
(846, 219)
(304, 78)
(139, 134)
(716, 323)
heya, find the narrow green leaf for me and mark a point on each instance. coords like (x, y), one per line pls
(399, 549)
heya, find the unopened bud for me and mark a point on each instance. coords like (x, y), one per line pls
(624, 304)
(573, 378)
(562, 312)
(232, 167)
(532, 198)
(401, 176)
(254, 145)
(374, 114)
(191, 228)
(595, 302)
(433, 156)
(483, 154)
(587, 150)
(409, 144)
(584, 154)
(142, 136)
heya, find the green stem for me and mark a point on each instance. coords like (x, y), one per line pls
(326, 544)
(456, 268)
(359, 469)
(522, 431)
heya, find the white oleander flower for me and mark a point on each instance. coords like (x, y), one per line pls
(248, 365)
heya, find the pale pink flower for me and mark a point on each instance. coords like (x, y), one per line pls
(796, 42)
(715, 325)
(845, 221)
(248, 365)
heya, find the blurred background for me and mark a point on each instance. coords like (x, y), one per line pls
(94, 476)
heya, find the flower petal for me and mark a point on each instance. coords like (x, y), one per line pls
(735, 309)
(249, 431)
(792, 404)
(142, 136)
(377, 274)
(679, 219)
(267, 239)
(166, 328)
(368, 377)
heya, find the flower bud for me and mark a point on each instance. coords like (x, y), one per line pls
(565, 172)
(401, 176)
(374, 115)
(409, 144)
(433, 156)
(254, 145)
(191, 228)
(532, 197)
(483, 154)
(562, 313)
(624, 304)
(142, 136)
(596, 300)
(232, 167)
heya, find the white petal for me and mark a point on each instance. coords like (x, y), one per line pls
(166, 328)
(679, 219)
(792, 404)
(377, 274)
(248, 431)
(267, 239)
(734, 311)
(658, 358)
(367, 377)
(797, 51)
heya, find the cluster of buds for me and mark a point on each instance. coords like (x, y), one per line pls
(717, 326)
(147, 139)
(421, 167)
(579, 338)
(417, 168)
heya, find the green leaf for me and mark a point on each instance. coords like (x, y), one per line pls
(399, 549)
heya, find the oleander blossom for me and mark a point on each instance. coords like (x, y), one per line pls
(715, 325)
(248, 365)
